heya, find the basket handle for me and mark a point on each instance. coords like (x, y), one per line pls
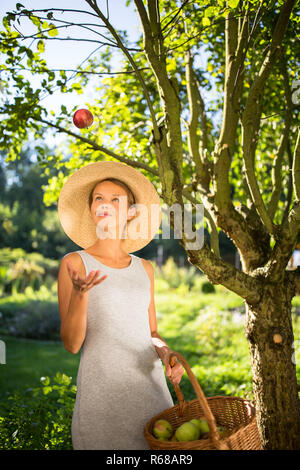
(206, 409)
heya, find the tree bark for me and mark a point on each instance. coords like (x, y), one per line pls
(270, 336)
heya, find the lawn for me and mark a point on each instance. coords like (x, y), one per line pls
(28, 360)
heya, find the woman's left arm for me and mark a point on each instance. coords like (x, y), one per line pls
(174, 373)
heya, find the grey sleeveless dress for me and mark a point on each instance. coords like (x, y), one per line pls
(121, 382)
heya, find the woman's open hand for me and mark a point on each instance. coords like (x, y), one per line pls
(83, 284)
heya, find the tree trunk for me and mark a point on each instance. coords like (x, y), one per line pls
(270, 336)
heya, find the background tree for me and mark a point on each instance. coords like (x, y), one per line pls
(25, 220)
(244, 169)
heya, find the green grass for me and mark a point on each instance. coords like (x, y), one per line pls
(29, 360)
(207, 329)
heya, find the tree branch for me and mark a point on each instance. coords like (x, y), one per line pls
(290, 228)
(184, 3)
(214, 237)
(277, 166)
(68, 24)
(252, 112)
(157, 41)
(134, 66)
(296, 168)
(235, 44)
(220, 272)
(61, 39)
(168, 147)
(100, 148)
(14, 69)
(250, 133)
(197, 110)
(234, 222)
(57, 9)
(289, 196)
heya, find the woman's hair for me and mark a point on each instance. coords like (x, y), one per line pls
(130, 195)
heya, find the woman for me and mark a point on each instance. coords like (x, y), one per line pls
(120, 383)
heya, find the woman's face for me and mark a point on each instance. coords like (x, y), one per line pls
(109, 208)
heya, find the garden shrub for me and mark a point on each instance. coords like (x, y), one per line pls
(39, 418)
(35, 320)
(208, 288)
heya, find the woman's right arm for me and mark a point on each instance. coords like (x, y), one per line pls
(73, 289)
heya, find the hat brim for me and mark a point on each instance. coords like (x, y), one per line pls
(74, 212)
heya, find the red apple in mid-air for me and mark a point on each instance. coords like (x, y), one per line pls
(83, 118)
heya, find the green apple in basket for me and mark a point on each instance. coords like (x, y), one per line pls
(162, 429)
(187, 432)
(196, 422)
(203, 427)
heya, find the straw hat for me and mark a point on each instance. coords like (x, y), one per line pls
(74, 212)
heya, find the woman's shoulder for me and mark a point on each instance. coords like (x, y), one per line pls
(76, 261)
(148, 266)
(72, 255)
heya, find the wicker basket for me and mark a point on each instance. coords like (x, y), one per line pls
(234, 413)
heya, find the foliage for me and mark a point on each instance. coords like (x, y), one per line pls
(26, 222)
(37, 320)
(19, 270)
(122, 116)
(208, 288)
(174, 276)
(39, 418)
(31, 314)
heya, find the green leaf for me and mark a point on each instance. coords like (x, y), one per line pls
(210, 11)
(41, 46)
(51, 75)
(35, 20)
(45, 380)
(63, 109)
(6, 23)
(205, 21)
(41, 150)
(19, 6)
(47, 390)
(10, 16)
(53, 31)
(29, 53)
(233, 3)
(76, 86)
